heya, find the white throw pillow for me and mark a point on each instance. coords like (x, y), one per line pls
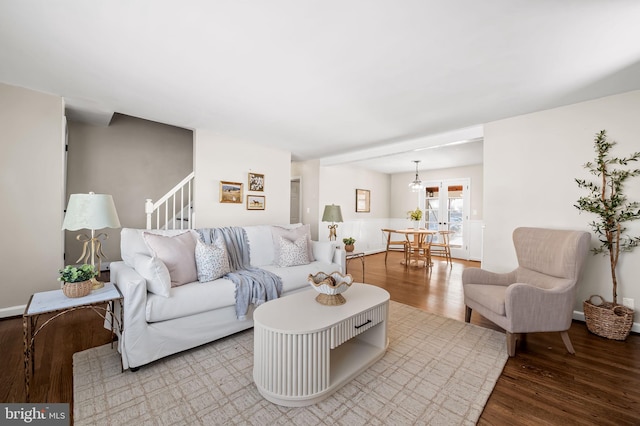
(291, 234)
(155, 272)
(292, 253)
(323, 251)
(177, 253)
(212, 260)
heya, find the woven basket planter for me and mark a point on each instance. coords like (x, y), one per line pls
(608, 319)
(78, 289)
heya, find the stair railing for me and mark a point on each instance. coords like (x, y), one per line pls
(174, 209)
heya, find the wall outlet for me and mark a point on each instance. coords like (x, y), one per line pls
(628, 302)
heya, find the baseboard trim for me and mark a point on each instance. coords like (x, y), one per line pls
(12, 311)
(579, 316)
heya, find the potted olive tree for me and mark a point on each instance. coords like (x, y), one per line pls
(606, 200)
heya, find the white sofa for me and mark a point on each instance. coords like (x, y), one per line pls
(193, 314)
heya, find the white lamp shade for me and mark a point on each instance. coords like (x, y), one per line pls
(90, 211)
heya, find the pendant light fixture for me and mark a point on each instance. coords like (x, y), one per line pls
(416, 184)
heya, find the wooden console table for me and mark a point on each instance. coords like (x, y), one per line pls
(305, 351)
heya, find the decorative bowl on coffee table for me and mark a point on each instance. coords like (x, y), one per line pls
(330, 286)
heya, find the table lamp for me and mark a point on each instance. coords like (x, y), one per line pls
(91, 211)
(332, 214)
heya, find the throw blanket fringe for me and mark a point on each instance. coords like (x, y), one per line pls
(253, 285)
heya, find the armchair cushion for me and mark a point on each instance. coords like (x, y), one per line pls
(490, 296)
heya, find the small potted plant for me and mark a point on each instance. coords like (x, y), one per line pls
(348, 243)
(608, 202)
(77, 280)
(415, 216)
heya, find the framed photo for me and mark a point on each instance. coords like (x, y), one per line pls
(363, 201)
(230, 192)
(256, 182)
(255, 202)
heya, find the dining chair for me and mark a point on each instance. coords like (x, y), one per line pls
(393, 245)
(417, 249)
(442, 247)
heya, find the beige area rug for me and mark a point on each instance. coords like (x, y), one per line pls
(437, 371)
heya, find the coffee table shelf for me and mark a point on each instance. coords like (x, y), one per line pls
(304, 351)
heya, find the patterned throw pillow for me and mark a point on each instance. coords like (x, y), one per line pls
(292, 253)
(291, 234)
(212, 261)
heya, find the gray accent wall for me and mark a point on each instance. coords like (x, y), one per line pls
(132, 159)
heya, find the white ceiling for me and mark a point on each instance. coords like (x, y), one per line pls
(323, 77)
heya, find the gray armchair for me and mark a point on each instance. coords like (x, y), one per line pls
(538, 296)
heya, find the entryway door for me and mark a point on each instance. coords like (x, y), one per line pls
(447, 209)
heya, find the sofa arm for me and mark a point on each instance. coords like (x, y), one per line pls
(339, 257)
(134, 289)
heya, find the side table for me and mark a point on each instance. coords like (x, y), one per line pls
(355, 255)
(55, 301)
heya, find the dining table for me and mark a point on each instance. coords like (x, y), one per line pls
(418, 240)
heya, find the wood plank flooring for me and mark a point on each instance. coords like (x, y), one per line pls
(541, 385)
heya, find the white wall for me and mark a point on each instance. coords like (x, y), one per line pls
(32, 190)
(338, 186)
(530, 163)
(219, 158)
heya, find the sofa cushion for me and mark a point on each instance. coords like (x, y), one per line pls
(295, 277)
(155, 272)
(292, 253)
(191, 299)
(260, 244)
(212, 260)
(132, 242)
(177, 253)
(323, 251)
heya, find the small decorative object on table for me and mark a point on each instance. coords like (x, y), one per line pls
(330, 286)
(415, 216)
(348, 244)
(77, 281)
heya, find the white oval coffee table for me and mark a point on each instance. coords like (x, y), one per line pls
(304, 351)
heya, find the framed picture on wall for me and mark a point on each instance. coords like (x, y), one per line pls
(363, 201)
(255, 202)
(230, 192)
(256, 182)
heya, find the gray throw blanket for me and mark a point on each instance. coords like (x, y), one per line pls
(253, 285)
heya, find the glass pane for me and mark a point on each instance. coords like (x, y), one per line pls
(432, 206)
(455, 214)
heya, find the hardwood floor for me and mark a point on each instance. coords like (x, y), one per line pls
(542, 384)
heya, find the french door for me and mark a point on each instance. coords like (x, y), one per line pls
(447, 209)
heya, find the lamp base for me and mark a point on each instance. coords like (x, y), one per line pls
(96, 284)
(332, 232)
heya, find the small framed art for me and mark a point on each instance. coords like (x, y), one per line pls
(255, 202)
(363, 201)
(230, 192)
(256, 182)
